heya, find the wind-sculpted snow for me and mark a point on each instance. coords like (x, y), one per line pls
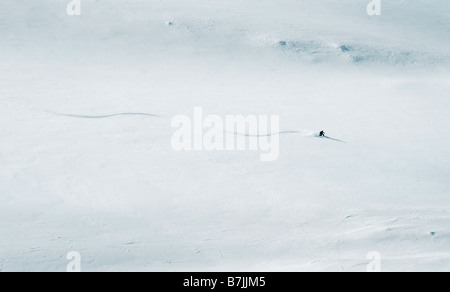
(321, 51)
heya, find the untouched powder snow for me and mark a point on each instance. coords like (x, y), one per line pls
(87, 165)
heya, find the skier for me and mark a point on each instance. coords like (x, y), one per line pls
(322, 134)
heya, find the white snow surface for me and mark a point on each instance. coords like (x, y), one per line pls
(114, 189)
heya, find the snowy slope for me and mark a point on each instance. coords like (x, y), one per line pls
(114, 190)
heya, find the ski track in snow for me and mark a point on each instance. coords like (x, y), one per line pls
(304, 133)
(264, 135)
(106, 116)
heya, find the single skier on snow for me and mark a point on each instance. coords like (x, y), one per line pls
(322, 134)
